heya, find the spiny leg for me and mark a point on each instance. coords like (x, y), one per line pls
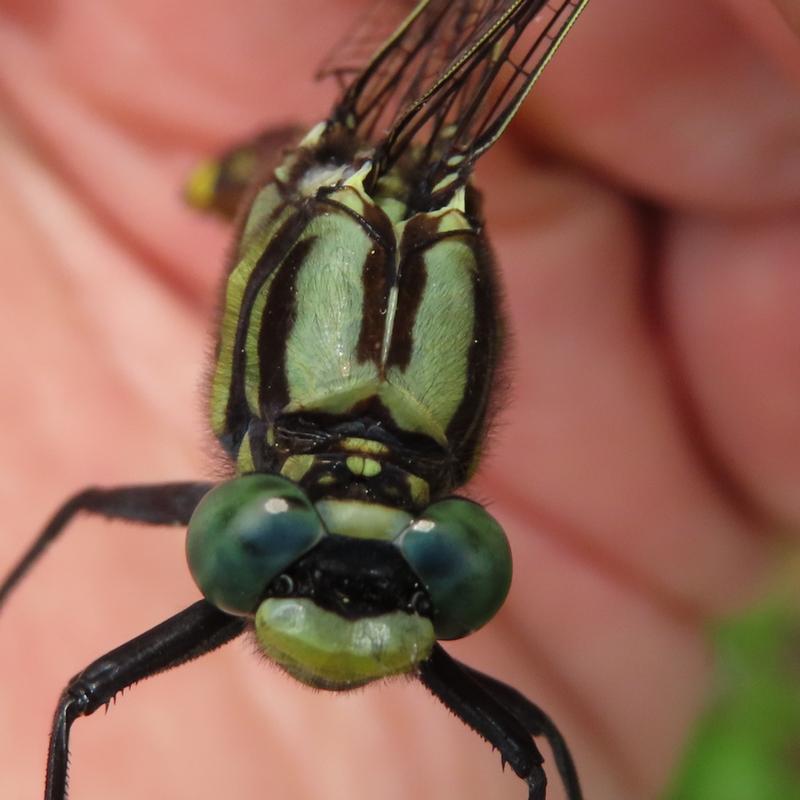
(537, 723)
(472, 702)
(191, 633)
(155, 504)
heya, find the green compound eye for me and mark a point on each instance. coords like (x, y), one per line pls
(462, 556)
(243, 534)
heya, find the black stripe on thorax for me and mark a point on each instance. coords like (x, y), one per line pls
(276, 324)
(378, 276)
(237, 413)
(420, 235)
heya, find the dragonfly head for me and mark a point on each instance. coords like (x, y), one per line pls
(345, 592)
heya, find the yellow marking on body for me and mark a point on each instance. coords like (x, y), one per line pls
(244, 458)
(295, 467)
(352, 193)
(420, 491)
(282, 173)
(200, 188)
(354, 444)
(453, 220)
(368, 467)
(372, 467)
(355, 464)
(458, 203)
(445, 182)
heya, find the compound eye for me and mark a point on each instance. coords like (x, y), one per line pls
(462, 557)
(243, 534)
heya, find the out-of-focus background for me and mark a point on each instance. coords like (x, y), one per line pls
(644, 210)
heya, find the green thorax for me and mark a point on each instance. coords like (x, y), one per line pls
(359, 335)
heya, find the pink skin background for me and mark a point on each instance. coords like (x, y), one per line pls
(645, 211)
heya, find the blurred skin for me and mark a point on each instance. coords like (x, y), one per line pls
(645, 212)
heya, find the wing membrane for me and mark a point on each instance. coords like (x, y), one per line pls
(452, 76)
(346, 60)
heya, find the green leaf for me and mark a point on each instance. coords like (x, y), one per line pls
(747, 745)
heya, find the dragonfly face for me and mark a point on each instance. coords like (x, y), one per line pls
(358, 349)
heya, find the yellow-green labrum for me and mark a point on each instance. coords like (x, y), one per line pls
(324, 650)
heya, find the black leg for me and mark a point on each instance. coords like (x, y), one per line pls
(537, 723)
(199, 629)
(472, 702)
(155, 504)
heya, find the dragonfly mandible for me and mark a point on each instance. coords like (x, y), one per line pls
(358, 348)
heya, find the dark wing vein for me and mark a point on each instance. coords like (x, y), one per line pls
(359, 45)
(451, 77)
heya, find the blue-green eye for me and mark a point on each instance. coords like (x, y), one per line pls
(243, 534)
(462, 557)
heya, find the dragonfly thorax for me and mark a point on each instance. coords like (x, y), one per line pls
(342, 310)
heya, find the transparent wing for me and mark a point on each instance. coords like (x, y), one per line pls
(451, 77)
(407, 63)
(477, 95)
(358, 46)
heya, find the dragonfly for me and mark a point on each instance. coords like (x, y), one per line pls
(357, 353)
